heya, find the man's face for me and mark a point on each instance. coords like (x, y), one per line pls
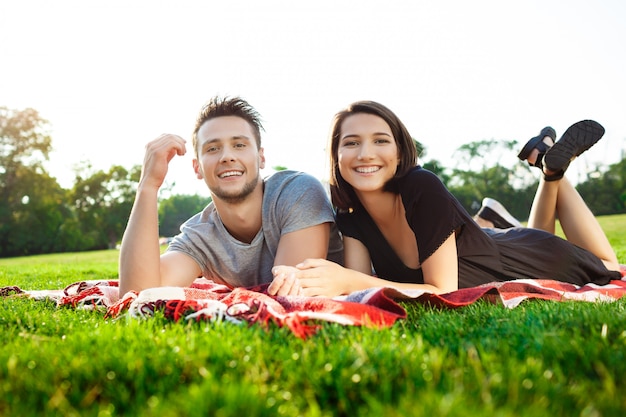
(228, 158)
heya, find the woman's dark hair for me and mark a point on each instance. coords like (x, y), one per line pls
(342, 194)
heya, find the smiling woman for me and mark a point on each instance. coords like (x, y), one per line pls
(400, 219)
(367, 153)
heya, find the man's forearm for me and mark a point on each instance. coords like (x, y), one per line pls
(139, 265)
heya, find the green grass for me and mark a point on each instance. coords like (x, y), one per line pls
(541, 358)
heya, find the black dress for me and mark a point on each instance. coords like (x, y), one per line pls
(484, 255)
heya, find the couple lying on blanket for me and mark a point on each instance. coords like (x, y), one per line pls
(401, 227)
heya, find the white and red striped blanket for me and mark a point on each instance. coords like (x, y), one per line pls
(375, 307)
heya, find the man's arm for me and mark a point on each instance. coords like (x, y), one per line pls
(140, 263)
(140, 251)
(293, 248)
(311, 242)
(304, 209)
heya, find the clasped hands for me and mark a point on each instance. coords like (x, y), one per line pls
(310, 278)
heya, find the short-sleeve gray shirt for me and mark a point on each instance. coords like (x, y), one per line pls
(291, 201)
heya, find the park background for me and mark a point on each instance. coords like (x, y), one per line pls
(468, 78)
(472, 81)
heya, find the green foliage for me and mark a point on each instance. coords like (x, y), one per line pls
(175, 210)
(32, 214)
(24, 141)
(480, 173)
(32, 204)
(38, 216)
(605, 192)
(102, 202)
(539, 359)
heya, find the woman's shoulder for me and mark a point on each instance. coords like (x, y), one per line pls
(419, 172)
(419, 176)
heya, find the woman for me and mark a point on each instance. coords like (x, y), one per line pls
(400, 220)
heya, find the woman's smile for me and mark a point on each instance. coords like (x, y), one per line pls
(368, 153)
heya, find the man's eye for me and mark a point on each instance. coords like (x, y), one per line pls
(211, 149)
(240, 145)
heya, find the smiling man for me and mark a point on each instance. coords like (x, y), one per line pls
(252, 223)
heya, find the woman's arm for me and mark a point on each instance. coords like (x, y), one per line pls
(441, 269)
(319, 277)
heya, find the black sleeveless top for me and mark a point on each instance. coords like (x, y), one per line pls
(484, 255)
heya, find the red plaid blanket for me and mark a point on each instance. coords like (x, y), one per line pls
(375, 307)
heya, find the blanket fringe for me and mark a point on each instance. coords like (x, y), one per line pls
(374, 307)
(123, 304)
(11, 290)
(298, 326)
(89, 296)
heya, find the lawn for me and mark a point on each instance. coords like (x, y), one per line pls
(539, 359)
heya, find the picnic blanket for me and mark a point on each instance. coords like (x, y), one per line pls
(374, 307)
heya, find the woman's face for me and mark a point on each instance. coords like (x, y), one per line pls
(367, 154)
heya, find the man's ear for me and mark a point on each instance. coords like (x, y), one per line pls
(261, 158)
(196, 169)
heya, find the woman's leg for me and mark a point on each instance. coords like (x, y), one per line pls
(580, 226)
(543, 210)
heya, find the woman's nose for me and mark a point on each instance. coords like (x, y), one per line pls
(365, 151)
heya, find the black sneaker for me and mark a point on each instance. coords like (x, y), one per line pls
(495, 212)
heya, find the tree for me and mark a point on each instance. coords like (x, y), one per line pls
(38, 214)
(605, 192)
(103, 201)
(479, 173)
(176, 210)
(24, 141)
(31, 202)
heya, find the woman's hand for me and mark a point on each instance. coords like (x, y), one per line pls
(316, 277)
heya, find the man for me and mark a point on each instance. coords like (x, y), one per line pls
(251, 225)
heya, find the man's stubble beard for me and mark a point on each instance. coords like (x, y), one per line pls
(238, 197)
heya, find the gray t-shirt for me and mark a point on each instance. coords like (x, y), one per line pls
(291, 201)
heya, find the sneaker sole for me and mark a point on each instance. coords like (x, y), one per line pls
(577, 139)
(501, 212)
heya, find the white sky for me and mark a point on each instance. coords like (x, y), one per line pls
(112, 75)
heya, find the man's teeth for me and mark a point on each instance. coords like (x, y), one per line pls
(231, 174)
(367, 170)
